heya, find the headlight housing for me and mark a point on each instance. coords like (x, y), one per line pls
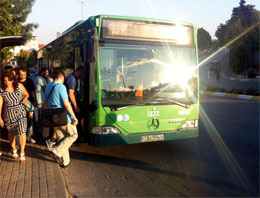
(105, 130)
(190, 124)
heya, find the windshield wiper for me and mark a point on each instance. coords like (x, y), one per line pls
(167, 101)
(124, 107)
(153, 102)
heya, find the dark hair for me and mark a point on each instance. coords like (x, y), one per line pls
(57, 74)
(8, 67)
(43, 69)
(10, 76)
(80, 68)
(23, 69)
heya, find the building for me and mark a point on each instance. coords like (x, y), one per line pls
(29, 46)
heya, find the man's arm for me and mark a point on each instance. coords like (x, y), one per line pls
(73, 100)
(70, 110)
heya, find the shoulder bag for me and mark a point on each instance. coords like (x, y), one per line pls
(53, 117)
(28, 105)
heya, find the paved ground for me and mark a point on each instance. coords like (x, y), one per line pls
(39, 176)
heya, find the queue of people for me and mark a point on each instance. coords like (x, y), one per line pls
(21, 100)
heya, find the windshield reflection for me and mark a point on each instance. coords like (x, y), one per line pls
(141, 75)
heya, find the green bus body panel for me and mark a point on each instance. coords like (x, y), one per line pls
(135, 119)
(117, 139)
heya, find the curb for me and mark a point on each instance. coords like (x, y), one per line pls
(230, 95)
(245, 79)
(241, 78)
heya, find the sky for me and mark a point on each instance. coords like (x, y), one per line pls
(58, 15)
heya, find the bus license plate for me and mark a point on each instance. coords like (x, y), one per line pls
(151, 138)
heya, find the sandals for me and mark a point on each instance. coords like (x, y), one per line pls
(15, 155)
(22, 157)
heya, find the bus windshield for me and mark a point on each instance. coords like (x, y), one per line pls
(145, 74)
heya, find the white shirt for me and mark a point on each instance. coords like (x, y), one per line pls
(39, 83)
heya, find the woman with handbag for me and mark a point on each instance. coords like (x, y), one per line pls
(14, 115)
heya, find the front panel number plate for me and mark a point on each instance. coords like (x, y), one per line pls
(152, 138)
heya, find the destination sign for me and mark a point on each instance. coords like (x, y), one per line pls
(126, 29)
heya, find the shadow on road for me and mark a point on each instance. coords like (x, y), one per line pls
(136, 164)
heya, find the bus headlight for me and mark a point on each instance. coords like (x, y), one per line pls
(105, 130)
(190, 124)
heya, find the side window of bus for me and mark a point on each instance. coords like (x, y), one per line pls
(107, 69)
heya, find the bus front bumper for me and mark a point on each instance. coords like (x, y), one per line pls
(117, 139)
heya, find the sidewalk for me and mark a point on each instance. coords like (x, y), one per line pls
(39, 176)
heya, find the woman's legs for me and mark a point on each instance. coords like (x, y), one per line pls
(22, 142)
(12, 141)
(13, 145)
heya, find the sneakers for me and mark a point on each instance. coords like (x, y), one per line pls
(57, 159)
(50, 144)
(64, 167)
(33, 141)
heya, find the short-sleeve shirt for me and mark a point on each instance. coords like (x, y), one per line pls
(58, 94)
(29, 86)
(39, 83)
(71, 82)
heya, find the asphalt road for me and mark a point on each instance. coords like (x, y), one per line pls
(208, 76)
(223, 161)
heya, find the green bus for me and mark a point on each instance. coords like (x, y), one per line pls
(141, 79)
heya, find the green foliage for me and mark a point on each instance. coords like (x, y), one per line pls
(243, 48)
(13, 15)
(22, 58)
(211, 87)
(5, 54)
(64, 52)
(214, 44)
(251, 91)
(204, 39)
(32, 59)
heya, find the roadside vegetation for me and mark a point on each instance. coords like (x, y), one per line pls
(251, 91)
(13, 16)
(240, 34)
(244, 52)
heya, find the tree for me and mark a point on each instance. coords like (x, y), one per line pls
(214, 44)
(32, 59)
(22, 58)
(204, 39)
(13, 15)
(245, 44)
